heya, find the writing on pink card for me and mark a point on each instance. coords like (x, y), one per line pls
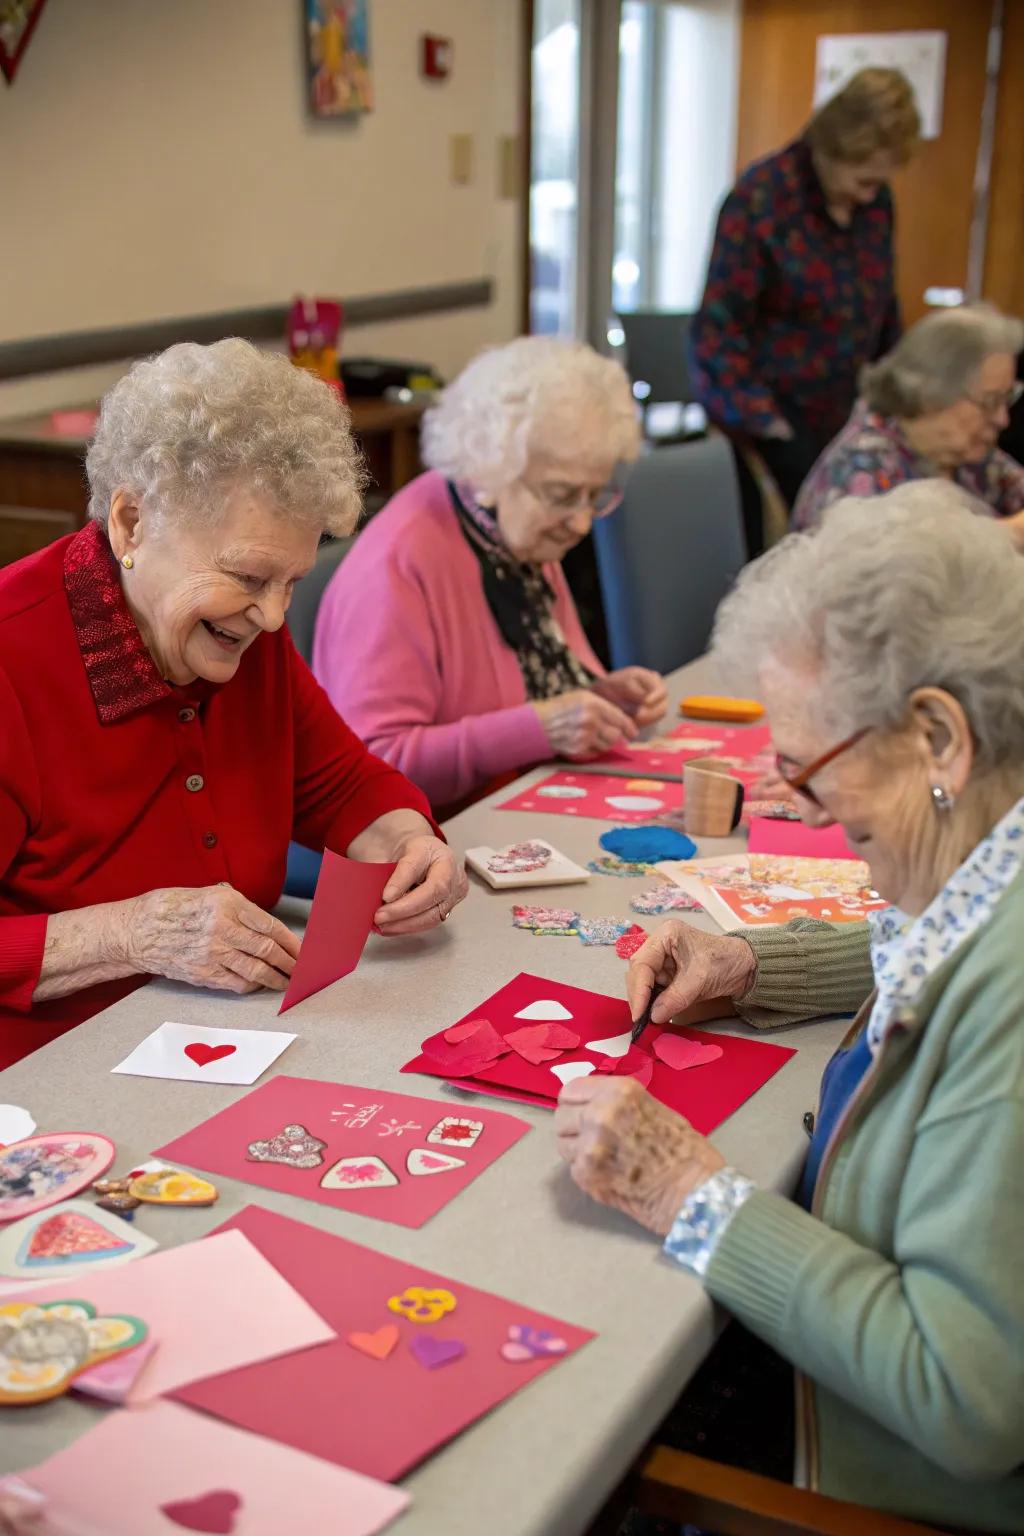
(348, 893)
(178, 1470)
(707, 1095)
(371, 1401)
(605, 797)
(387, 1155)
(768, 835)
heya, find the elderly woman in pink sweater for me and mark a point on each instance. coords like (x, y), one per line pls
(448, 638)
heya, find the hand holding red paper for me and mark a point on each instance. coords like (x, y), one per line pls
(692, 966)
(638, 691)
(426, 884)
(628, 1151)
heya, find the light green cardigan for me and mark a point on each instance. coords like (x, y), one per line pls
(900, 1298)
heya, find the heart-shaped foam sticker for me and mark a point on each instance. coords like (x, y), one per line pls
(432, 1352)
(681, 1053)
(378, 1345)
(213, 1513)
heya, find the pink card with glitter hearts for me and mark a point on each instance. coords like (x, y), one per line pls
(382, 1154)
(418, 1356)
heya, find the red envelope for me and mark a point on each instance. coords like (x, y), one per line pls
(347, 895)
(706, 1095)
(793, 838)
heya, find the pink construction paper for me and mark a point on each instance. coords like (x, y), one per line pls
(599, 795)
(768, 835)
(706, 1097)
(211, 1305)
(115, 1478)
(380, 1417)
(744, 744)
(347, 895)
(113, 1379)
(352, 1122)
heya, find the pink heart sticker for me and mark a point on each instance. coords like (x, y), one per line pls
(680, 1052)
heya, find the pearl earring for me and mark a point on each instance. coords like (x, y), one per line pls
(127, 562)
(940, 799)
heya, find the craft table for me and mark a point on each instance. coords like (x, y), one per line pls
(544, 1462)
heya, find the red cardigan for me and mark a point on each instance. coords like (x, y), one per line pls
(113, 783)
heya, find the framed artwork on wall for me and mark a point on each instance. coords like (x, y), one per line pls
(338, 57)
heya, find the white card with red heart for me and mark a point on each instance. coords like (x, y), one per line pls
(199, 1055)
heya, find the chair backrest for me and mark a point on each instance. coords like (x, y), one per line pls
(657, 344)
(309, 591)
(670, 553)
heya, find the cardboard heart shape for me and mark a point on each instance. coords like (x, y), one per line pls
(681, 1053)
(431, 1351)
(213, 1512)
(420, 1161)
(377, 1345)
(544, 1008)
(359, 1172)
(572, 1069)
(203, 1054)
(615, 1045)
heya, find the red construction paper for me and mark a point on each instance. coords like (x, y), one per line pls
(793, 837)
(599, 795)
(706, 1097)
(379, 1417)
(357, 1123)
(347, 895)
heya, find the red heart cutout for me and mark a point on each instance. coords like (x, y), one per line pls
(214, 1512)
(636, 1063)
(202, 1055)
(680, 1052)
(559, 1038)
(531, 1044)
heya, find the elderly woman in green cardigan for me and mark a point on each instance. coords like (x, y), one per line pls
(891, 669)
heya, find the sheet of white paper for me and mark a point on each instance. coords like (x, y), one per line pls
(198, 1055)
(921, 56)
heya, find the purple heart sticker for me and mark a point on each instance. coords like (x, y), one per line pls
(431, 1352)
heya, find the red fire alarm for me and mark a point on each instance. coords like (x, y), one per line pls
(435, 56)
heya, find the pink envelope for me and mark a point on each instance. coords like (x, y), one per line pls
(163, 1468)
(212, 1305)
(379, 1416)
(347, 895)
(768, 835)
(388, 1155)
(706, 1095)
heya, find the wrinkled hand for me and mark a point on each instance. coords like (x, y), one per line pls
(629, 1151)
(580, 724)
(427, 883)
(636, 690)
(692, 966)
(211, 936)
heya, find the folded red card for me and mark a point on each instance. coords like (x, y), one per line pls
(387, 1155)
(347, 895)
(704, 1088)
(769, 835)
(418, 1358)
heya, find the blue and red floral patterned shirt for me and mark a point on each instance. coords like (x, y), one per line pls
(871, 455)
(794, 303)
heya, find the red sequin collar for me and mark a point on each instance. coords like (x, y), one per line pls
(122, 674)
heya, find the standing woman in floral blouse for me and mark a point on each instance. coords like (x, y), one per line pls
(801, 288)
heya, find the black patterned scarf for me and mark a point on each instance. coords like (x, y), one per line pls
(522, 603)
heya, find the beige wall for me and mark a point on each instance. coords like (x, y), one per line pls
(158, 159)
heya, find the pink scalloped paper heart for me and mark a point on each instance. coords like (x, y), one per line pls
(680, 1053)
(636, 1063)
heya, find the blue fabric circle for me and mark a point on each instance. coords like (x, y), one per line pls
(646, 845)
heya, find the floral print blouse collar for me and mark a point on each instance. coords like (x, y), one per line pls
(905, 951)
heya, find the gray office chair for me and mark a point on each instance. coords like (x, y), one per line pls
(670, 553)
(657, 351)
(309, 591)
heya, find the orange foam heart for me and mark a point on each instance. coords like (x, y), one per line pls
(377, 1345)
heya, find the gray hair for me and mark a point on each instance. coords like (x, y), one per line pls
(534, 389)
(932, 364)
(185, 427)
(897, 592)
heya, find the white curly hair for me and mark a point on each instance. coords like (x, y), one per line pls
(185, 427)
(534, 392)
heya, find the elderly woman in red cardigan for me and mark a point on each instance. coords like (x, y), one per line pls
(161, 739)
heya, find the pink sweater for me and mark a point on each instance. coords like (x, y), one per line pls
(413, 660)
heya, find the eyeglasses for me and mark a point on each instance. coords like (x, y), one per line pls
(799, 780)
(563, 500)
(1000, 400)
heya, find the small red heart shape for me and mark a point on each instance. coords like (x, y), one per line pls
(531, 1043)
(636, 1063)
(202, 1054)
(680, 1052)
(213, 1512)
(473, 1048)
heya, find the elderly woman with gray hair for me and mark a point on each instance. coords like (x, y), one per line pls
(934, 405)
(890, 668)
(449, 638)
(162, 740)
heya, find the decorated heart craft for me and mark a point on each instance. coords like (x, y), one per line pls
(526, 1343)
(293, 1146)
(77, 1239)
(378, 1345)
(431, 1351)
(519, 858)
(213, 1513)
(681, 1053)
(169, 1186)
(422, 1161)
(203, 1054)
(363, 1171)
(43, 1348)
(41, 1170)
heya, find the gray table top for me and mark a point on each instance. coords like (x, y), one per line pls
(545, 1461)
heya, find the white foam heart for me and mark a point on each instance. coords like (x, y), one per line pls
(570, 1069)
(544, 1008)
(634, 803)
(615, 1045)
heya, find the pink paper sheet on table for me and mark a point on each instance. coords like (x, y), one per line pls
(706, 1095)
(794, 838)
(120, 1476)
(347, 895)
(365, 1142)
(211, 1306)
(743, 745)
(380, 1417)
(604, 796)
